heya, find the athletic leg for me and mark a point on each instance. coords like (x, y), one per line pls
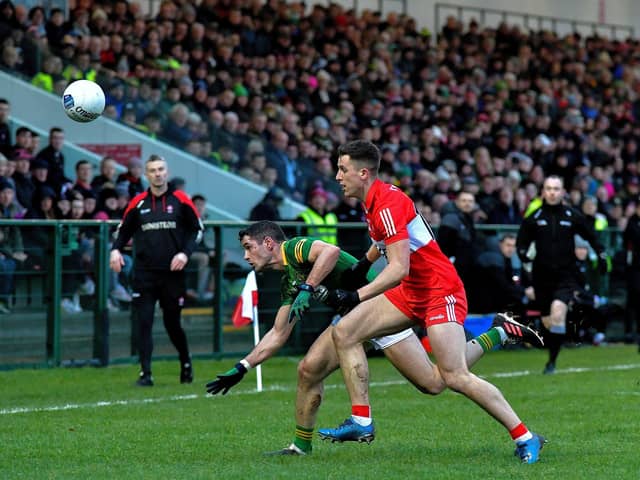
(373, 318)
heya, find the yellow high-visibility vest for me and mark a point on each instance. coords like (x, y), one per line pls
(318, 225)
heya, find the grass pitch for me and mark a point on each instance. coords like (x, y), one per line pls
(93, 423)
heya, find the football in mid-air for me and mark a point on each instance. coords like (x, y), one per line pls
(83, 101)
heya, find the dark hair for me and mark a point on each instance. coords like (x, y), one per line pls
(362, 151)
(21, 130)
(4, 101)
(198, 197)
(55, 130)
(507, 236)
(154, 158)
(263, 229)
(79, 163)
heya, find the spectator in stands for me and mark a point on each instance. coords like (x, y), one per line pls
(133, 176)
(502, 287)
(354, 241)
(290, 177)
(268, 207)
(52, 154)
(203, 257)
(7, 271)
(39, 174)
(24, 187)
(506, 211)
(36, 239)
(108, 174)
(12, 254)
(457, 235)
(176, 130)
(23, 140)
(50, 75)
(84, 177)
(34, 146)
(11, 60)
(5, 132)
(319, 222)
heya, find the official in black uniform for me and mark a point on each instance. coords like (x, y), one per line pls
(165, 227)
(631, 238)
(555, 277)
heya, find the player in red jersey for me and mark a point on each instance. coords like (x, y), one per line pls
(418, 286)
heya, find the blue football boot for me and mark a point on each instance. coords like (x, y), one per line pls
(349, 431)
(529, 450)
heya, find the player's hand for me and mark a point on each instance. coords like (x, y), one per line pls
(227, 380)
(604, 263)
(302, 302)
(356, 276)
(342, 301)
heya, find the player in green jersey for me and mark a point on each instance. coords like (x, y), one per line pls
(310, 268)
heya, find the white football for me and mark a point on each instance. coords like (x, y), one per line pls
(83, 101)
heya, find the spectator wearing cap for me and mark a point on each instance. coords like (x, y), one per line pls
(40, 174)
(267, 208)
(52, 154)
(320, 222)
(24, 187)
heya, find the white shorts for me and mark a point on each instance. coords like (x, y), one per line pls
(387, 341)
(381, 343)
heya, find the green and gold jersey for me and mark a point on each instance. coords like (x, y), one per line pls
(295, 254)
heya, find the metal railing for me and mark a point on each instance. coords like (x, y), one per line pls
(39, 332)
(528, 20)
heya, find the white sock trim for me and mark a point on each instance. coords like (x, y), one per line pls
(364, 421)
(246, 364)
(524, 437)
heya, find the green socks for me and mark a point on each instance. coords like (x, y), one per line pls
(303, 438)
(489, 339)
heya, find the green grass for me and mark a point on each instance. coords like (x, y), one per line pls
(172, 431)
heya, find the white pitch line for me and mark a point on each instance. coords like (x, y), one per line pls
(281, 388)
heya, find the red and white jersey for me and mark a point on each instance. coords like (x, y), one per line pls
(392, 216)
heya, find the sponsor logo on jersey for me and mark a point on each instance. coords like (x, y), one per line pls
(169, 208)
(158, 226)
(437, 317)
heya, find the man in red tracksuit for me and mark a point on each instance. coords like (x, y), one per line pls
(165, 227)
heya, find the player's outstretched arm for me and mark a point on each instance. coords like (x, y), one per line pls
(273, 341)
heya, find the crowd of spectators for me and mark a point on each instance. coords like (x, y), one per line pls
(269, 89)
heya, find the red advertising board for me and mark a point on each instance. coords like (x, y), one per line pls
(121, 152)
